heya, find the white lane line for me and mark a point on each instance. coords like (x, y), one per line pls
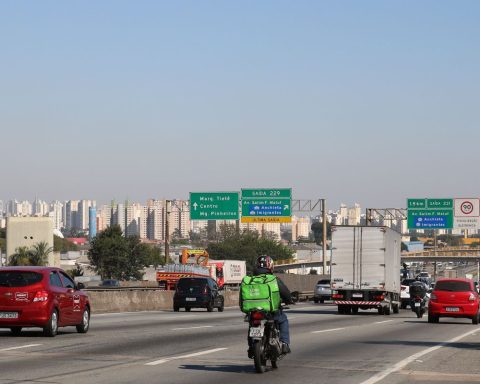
(20, 347)
(203, 326)
(157, 362)
(383, 322)
(401, 364)
(329, 330)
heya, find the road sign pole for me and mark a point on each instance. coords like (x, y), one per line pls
(324, 237)
(167, 230)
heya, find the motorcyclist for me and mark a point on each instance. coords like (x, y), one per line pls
(264, 266)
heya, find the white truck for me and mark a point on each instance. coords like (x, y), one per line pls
(229, 273)
(364, 269)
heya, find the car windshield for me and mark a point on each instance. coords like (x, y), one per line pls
(19, 278)
(452, 286)
(324, 282)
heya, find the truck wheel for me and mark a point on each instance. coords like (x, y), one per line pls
(315, 301)
(322, 301)
(210, 307)
(388, 309)
(176, 308)
(380, 310)
(354, 310)
(395, 308)
(475, 319)
(340, 310)
(188, 309)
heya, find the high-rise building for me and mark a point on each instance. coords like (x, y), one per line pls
(83, 213)
(118, 216)
(156, 219)
(104, 217)
(300, 227)
(92, 222)
(179, 219)
(56, 213)
(136, 220)
(71, 210)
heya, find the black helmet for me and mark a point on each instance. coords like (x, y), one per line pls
(265, 262)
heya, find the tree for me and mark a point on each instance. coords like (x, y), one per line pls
(39, 254)
(317, 229)
(77, 272)
(246, 245)
(115, 257)
(20, 257)
(63, 245)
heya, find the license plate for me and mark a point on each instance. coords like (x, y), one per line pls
(256, 332)
(8, 315)
(191, 299)
(417, 304)
(452, 309)
(357, 295)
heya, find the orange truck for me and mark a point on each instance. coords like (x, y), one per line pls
(195, 262)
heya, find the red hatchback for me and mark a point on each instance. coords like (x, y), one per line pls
(453, 298)
(41, 297)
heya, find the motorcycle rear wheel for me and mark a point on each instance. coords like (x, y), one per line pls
(259, 357)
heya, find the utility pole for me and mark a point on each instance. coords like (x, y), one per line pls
(324, 236)
(167, 231)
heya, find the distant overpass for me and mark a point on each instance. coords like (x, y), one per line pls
(444, 254)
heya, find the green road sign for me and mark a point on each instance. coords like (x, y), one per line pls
(430, 213)
(267, 205)
(214, 205)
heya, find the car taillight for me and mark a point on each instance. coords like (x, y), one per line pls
(379, 298)
(40, 296)
(205, 290)
(472, 297)
(337, 296)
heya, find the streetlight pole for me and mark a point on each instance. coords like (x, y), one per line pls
(324, 237)
(167, 230)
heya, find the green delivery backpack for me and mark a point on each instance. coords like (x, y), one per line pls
(259, 292)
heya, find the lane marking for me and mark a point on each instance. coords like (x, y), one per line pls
(20, 347)
(203, 326)
(401, 364)
(167, 359)
(329, 330)
(383, 322)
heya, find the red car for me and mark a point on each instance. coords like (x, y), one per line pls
(43, 297)
(454, 298)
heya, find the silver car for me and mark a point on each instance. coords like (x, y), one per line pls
(322, 291)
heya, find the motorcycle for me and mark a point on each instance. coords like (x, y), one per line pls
(264, 337)
(418, 298)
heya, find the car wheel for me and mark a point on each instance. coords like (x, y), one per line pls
(322, 301)
(51, 328)
(83, 327)
(210, 307)
(475, 319)
(315, 301)
(176, 308)
(380, 310)
(188, 309)
(220, 309)
(16, 330)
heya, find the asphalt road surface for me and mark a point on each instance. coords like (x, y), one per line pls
(200, 347)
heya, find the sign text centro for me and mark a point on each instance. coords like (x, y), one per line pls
(214, 205)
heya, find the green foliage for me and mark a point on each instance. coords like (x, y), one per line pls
(3, 242)
(76, 272)
(63, 245)
(246, 245)
(3, 233)
(404, 247)
(37, 255)
(317, 229)
(115, 257)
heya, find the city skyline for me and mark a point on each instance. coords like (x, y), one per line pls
(366, 101)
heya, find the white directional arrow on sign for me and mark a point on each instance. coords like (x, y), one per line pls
(285, 206)
(195, 205)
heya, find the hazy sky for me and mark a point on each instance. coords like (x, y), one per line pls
(352, 101)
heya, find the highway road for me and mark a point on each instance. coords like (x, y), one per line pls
(200, 347)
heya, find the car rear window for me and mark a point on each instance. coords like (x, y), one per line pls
(19, 278)
(453, 286)
(327, 282)
(192, 285)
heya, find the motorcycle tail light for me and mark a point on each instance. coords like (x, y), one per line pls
(258, 316)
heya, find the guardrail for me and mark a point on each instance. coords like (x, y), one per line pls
(302, 295)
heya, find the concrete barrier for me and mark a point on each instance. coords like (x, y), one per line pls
(138, 299)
